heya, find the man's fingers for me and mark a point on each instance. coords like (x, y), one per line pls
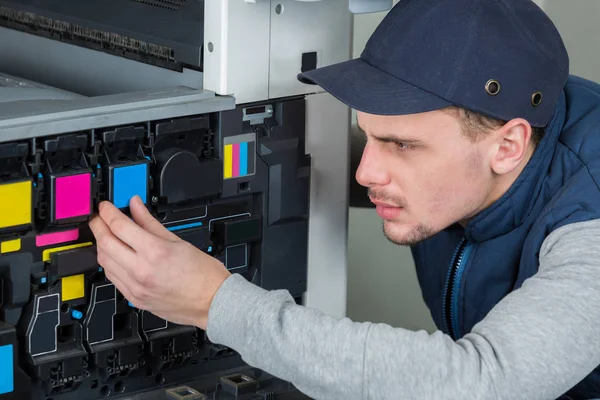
(125, 229)
(115, 275)
(129, 287)
(120, 285)
(112, 247)
(124, 282)
(143, 218)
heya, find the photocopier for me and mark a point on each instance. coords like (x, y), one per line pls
(195, 106)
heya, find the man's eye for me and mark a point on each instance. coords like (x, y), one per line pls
(401, 145)
(398, 144)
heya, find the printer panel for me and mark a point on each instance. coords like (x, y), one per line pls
(254, 50)
(234, 183)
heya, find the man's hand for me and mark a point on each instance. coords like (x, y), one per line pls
(153, 268)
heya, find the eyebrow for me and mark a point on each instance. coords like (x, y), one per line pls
(394, 138)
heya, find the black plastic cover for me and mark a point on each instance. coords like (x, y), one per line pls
(180, 172)
(238, 230)
(72, 262)
(12, 160)
(187, 168)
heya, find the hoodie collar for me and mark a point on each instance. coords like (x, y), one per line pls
(509, 212)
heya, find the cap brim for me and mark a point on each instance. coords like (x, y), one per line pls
(368, 89)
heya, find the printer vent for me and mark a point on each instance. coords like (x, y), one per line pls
(168, 4)
(88, 36)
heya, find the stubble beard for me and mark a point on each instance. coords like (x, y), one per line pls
(417, 235)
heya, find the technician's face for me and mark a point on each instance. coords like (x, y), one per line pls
(422, 173)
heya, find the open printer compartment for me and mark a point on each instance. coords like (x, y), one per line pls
(233, 180)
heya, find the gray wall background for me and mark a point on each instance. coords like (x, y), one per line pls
(382, 285)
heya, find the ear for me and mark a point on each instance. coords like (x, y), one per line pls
(512, 146)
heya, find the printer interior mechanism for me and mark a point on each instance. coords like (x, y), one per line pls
(166, 33)
(206, 176)
(195, 107)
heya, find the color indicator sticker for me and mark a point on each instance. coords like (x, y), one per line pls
(49, 239)
(129, 181)
(15, 204)
(239, 155)
(73, 287)
(73, 196)
(185, 226)
(10, 246)
(6, 369)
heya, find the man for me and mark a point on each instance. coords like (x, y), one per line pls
(483, 155)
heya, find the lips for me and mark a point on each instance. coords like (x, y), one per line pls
(387, 211)
(379, 203)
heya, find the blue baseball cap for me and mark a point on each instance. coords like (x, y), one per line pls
(501, 58)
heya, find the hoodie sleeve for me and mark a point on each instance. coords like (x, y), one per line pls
(537, 343)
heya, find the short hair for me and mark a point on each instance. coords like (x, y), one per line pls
(475, 124)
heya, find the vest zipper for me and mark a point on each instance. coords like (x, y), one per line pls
(451, 291)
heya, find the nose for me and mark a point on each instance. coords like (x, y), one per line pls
(372, 170)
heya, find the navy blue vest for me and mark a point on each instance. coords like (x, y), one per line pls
(464, 273)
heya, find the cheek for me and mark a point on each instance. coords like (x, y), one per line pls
(422, 188)
(457, 187)
(442, 195)
(437, 186)
(441, 189)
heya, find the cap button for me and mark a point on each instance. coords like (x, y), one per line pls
(536, 99)
(492, 87)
